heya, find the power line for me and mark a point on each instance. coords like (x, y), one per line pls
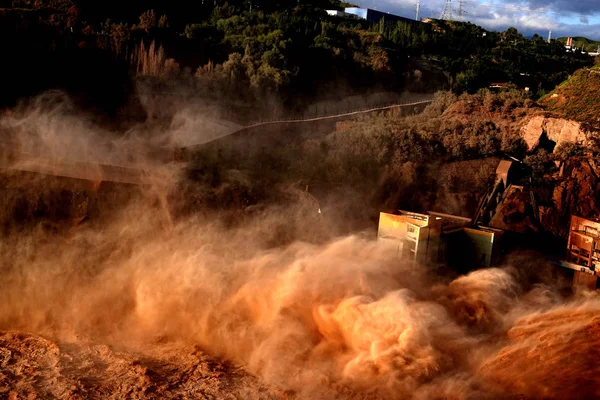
(492, 6)
(461, 10)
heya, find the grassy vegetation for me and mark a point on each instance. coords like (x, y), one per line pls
(577, 97)
(393, 161)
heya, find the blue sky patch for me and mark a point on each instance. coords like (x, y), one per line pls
(562, 17)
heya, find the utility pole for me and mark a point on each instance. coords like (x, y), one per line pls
(447, 12)
(418, 10)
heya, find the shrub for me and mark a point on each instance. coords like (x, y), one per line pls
(540, 163)
(148, 20)
(565, 150)
(153, 61)
(441, 101)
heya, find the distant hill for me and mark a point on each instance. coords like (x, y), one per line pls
(582, 42)
(577, 97)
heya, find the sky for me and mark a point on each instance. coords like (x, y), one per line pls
(562, 17)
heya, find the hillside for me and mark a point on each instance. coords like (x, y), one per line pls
(582, 42)
(577, 97)
(280, 54)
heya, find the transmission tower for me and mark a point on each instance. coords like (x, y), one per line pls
(447, 12)
(418, 10)
(461, 10)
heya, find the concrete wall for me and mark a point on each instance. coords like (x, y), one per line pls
(392, 226)
(376, 16)
(337, 13)
(404, 233)
(585, 281)
(481, 244)
(463, 248)
(424, 235)
(471, 248)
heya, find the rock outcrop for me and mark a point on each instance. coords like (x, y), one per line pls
(578, 193)
(516, 213)
(557, 130)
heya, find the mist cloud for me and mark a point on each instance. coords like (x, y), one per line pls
(313, 318)
(336, 316)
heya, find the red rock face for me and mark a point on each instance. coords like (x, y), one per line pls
(516, 213)
(576, 194)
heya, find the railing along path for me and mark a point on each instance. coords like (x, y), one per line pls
(335, 116)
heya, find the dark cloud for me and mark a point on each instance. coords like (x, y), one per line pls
(529, 17)
(573, 6)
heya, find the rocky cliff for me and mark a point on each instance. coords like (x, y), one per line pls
(556, 130)
(575, 192)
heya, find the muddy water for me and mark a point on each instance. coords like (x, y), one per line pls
(133, 310)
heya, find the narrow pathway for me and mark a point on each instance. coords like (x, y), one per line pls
(315, 119)
(334, 116)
